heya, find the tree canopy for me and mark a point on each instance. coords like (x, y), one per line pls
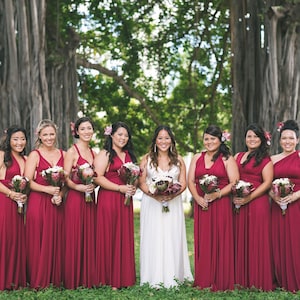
(183, 63)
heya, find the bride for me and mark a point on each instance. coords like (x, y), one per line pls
(164, 260)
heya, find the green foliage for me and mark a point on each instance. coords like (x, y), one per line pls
(174, 56)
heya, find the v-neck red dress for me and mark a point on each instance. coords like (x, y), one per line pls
(44, 234)
(115, 262)
(12, 237)
(80, 223)
(213, 231)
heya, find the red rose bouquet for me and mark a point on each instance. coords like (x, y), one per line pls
(86, 174)
(129, 173)
(20, 184)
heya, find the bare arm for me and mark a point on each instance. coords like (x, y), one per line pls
(192, 182)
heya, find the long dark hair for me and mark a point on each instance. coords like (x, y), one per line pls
(290, 125)
(216, 131)
(263, 150)
(5, 143)
(78, 122)
(108, 146)
(172, 153)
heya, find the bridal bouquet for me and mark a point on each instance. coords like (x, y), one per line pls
(241, 189)
(20, 184)
(282, 187)
(129, 173)
(208, 184)
(86, 174)
(164, 185)
(55, 176)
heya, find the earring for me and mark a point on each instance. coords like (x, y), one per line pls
(155, 148)
(171, 148)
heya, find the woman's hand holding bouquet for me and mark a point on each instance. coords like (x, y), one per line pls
(164, 186)
(209, 185)
(241, 189)
(55, 176)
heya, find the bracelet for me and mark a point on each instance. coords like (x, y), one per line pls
(8, 195)
(220, 194)
(119, 189)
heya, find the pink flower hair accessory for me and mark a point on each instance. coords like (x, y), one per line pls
(268, 137)
(225, 136)
(72, 127)
(108, 130)
(279, 126)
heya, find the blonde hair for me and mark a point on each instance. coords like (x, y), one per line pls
(41, 125)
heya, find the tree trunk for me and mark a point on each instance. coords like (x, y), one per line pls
(281, 93)
(32, 88)
(265, 66)
(246, 67)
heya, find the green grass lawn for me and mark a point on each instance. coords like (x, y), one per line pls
(185, 291)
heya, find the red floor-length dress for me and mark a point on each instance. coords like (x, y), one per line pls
(44, 234)
(12, 237)
(286, 228)
(115, 260)
(80, 222)
(213, 230)
(252, 228)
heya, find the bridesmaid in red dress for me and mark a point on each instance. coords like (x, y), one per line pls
(285, 228)
(115, 261)
(80, 216)
(252, 223)
(12, 230)
(45, 212)
(213, 228)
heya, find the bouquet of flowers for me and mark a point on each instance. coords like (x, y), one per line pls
(241, 189)
(208, 184)
(282, 187)
(129, 173)
(86, 174)
(20, 184)
(55, 176)
(164, 185)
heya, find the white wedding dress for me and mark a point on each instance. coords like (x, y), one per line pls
(164, 260)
